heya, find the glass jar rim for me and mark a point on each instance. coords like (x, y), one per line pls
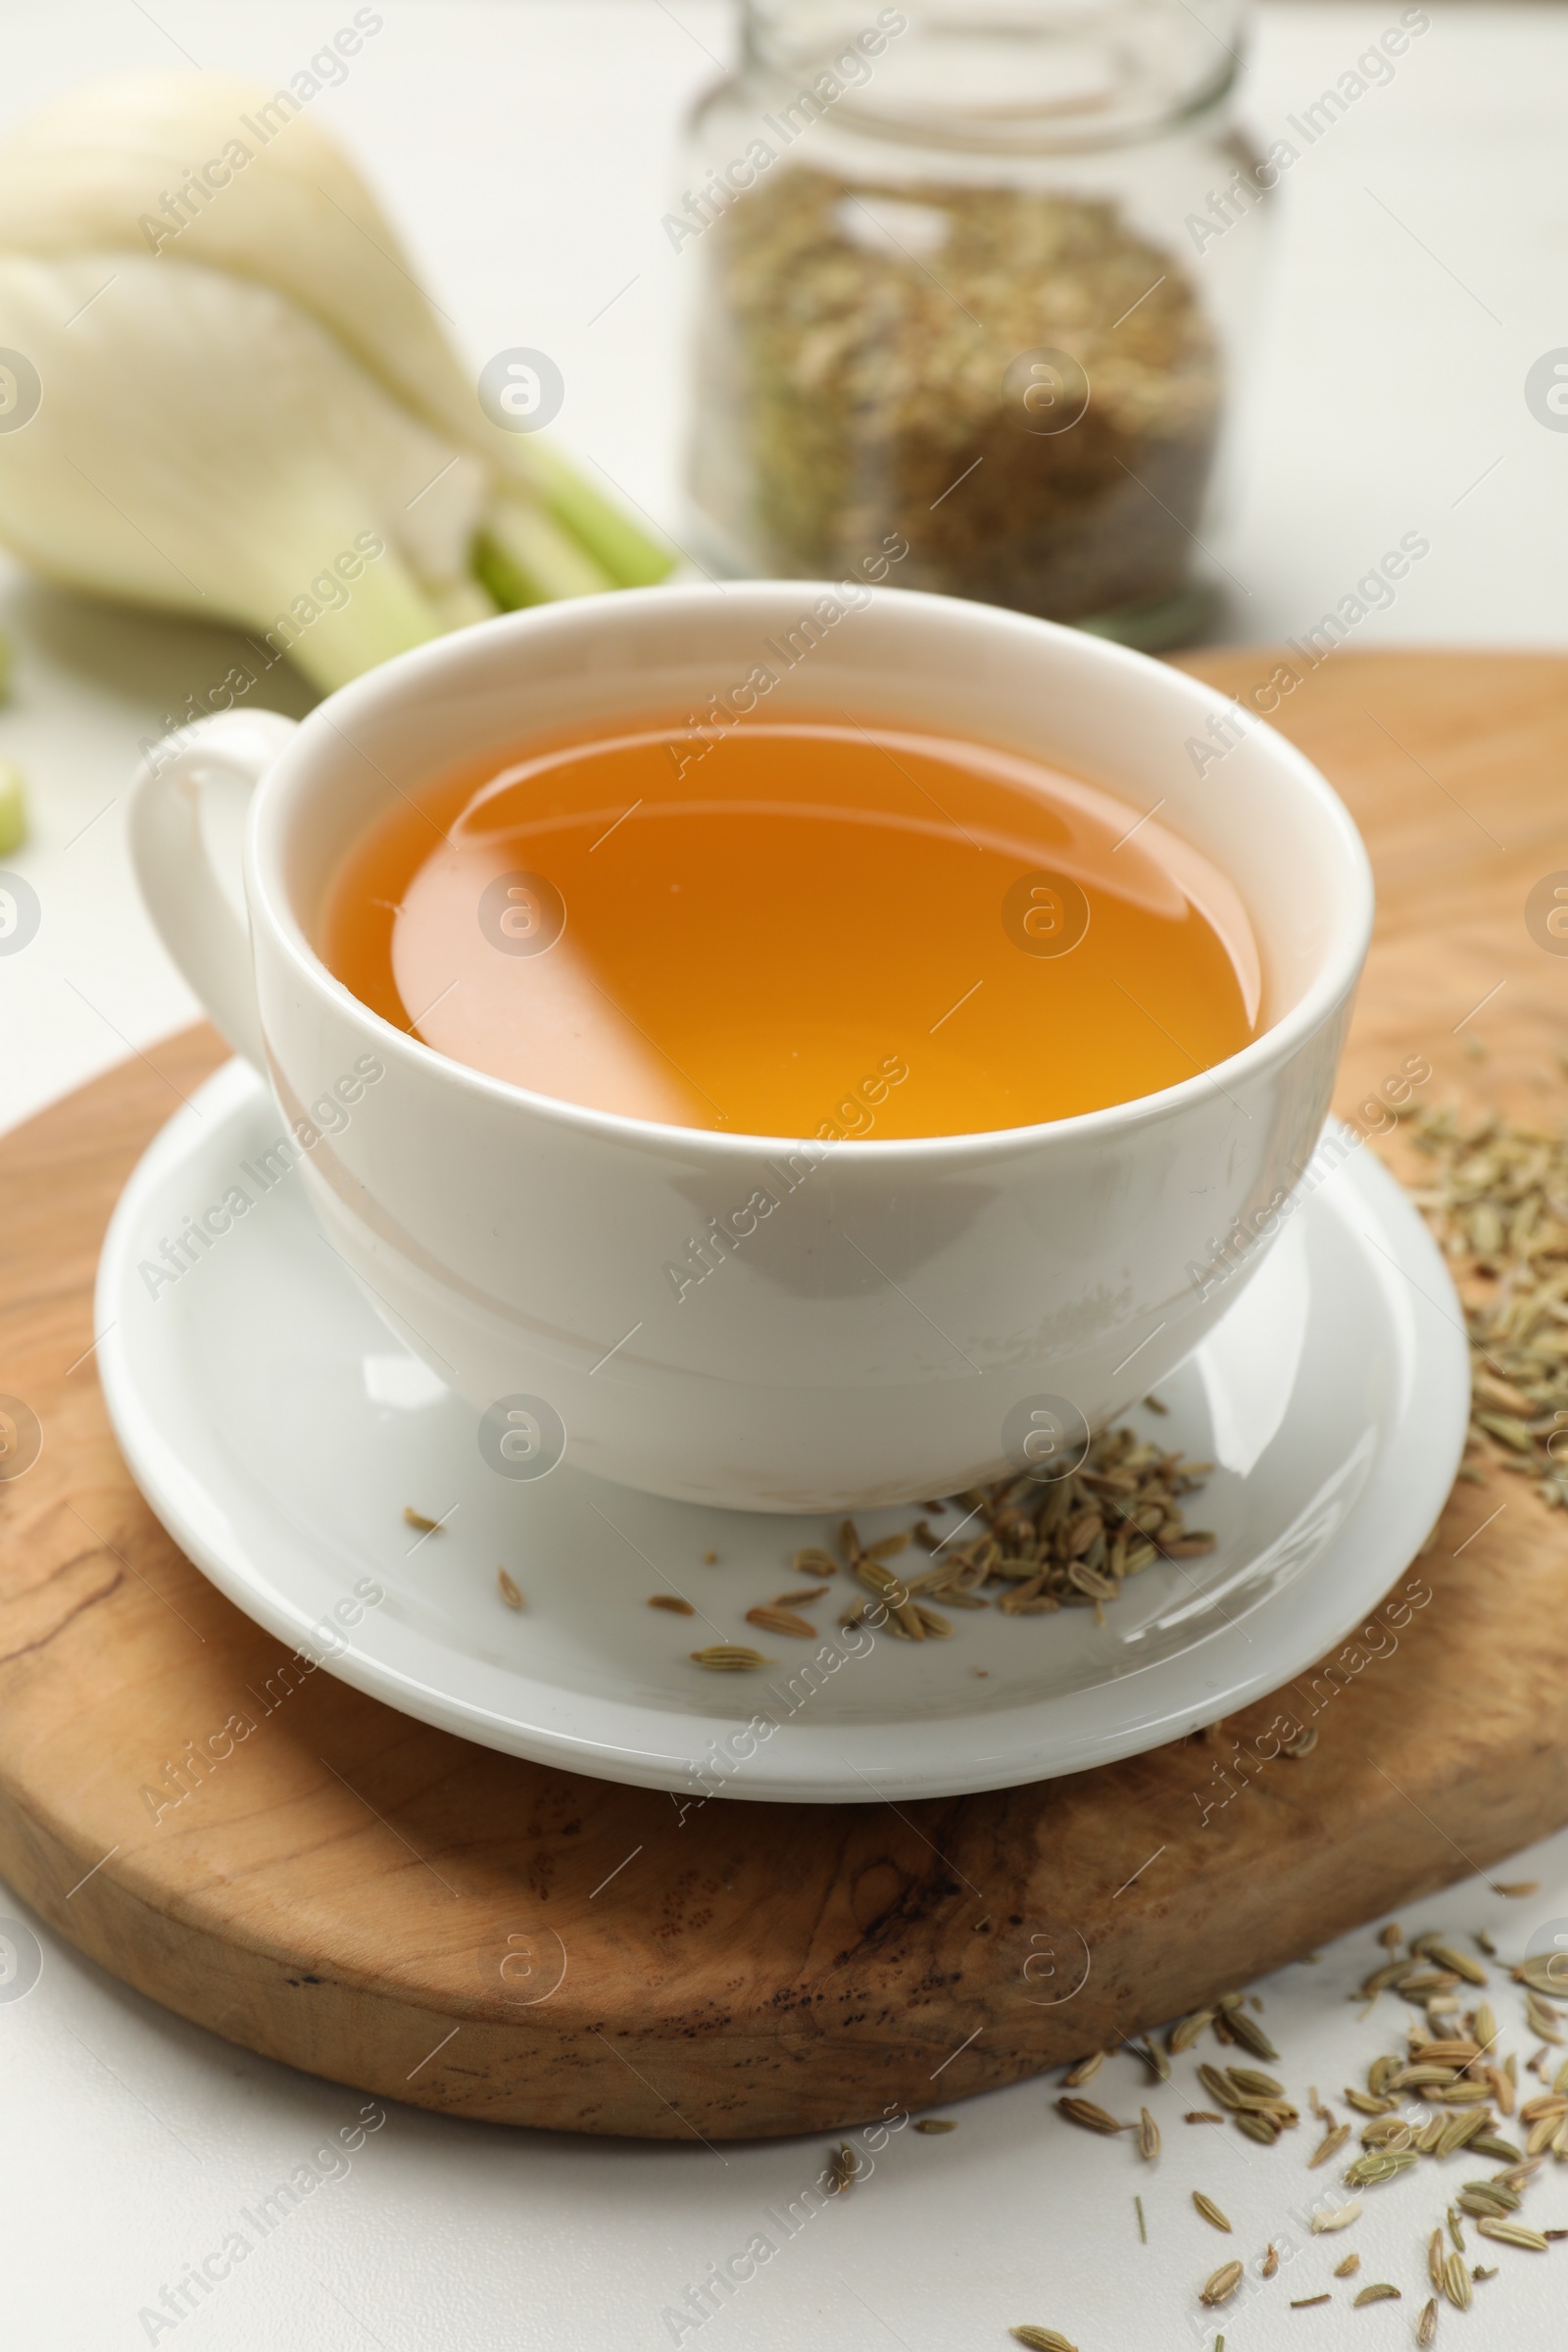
(1029, 76)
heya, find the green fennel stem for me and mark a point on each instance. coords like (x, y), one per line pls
(631, 557)
(527, 559)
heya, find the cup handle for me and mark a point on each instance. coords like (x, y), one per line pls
(190, 872)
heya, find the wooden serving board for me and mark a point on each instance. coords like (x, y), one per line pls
(384, 1905)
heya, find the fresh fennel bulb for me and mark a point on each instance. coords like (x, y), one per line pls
(247, 408)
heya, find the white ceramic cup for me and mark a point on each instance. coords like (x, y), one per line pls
(905, 1318)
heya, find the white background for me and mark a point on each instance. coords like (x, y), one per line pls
(528, 152)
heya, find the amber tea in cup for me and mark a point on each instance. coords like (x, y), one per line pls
(803, 926)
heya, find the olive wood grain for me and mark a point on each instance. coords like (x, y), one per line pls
(384, 1905)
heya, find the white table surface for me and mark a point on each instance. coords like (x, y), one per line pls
(527, 150)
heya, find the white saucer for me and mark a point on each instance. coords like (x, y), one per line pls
(278, 1429)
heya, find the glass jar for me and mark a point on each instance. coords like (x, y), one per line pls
(977, 278)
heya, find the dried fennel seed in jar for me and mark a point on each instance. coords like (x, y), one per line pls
(855, 364)
(1040, 1546)
(1498, 1203)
